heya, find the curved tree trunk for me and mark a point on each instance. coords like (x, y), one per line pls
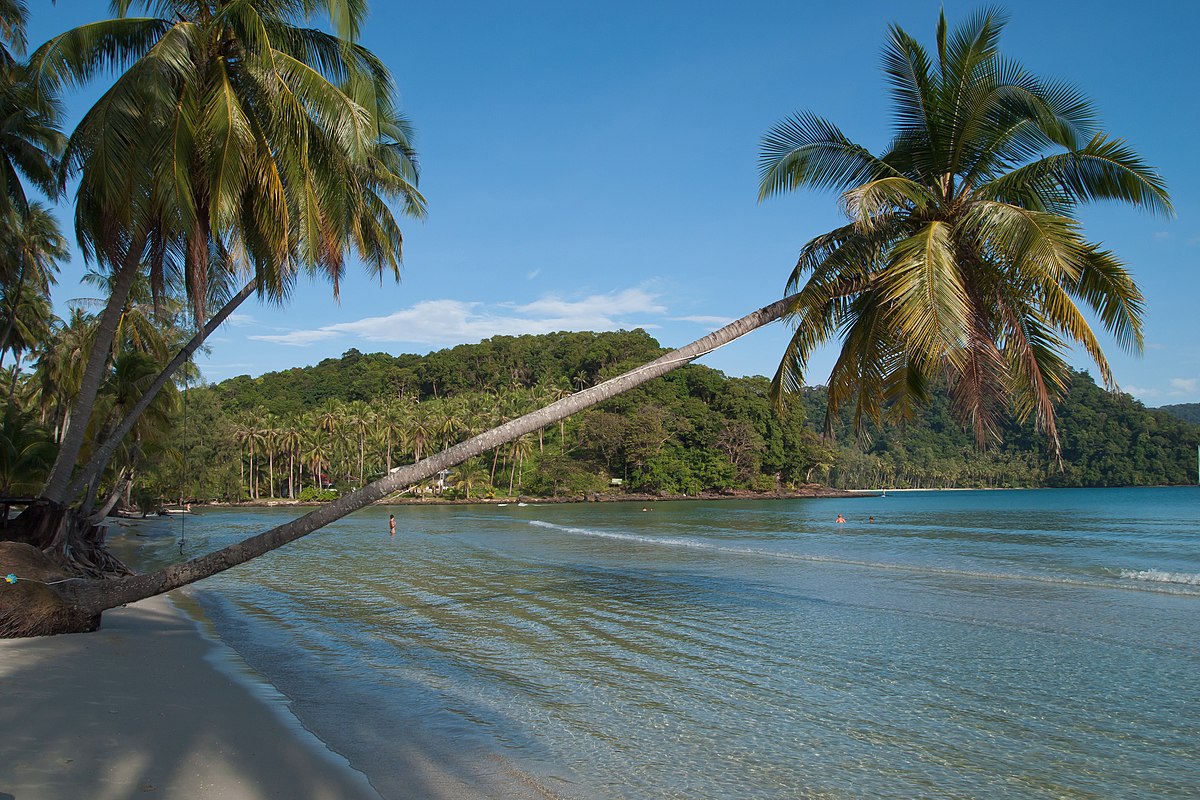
(85, 599)
(104, 453)
(55, 490)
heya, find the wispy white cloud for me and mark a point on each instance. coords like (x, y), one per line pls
(596, 310)
(240, 320)
(1141, 393)
(296, 338)
(443, 322)
(1162, 234)
(533, 273)
(700, 319)
(1181, 386)
(225, 369)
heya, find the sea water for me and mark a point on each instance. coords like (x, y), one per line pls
(1039, 644)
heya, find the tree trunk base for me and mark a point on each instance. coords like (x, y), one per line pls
(45, 546)
(30, 606)
(73, 543)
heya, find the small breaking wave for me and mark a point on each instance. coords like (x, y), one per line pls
(1161, 576)
(1135, 580)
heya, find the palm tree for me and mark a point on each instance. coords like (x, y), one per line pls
(313, 453)
(422, 426)
(330, 421)
(290, 440)
(27, 320)
(30, 140)
(60, 367)
(962, 260)
(26, 452)
(391, 428)
(358, 420)
(270, 440)
(249, 434)
(225, 108)
(32, 247)
(78, 604)
(132, 370)
(470, 474)
(522, 447)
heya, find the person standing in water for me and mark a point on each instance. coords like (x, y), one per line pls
(840, 520)
(392, 523)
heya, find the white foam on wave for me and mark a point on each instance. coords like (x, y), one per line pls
(1161, 576)
(1147, 580)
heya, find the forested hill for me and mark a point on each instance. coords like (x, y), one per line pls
(502, 362)
(349, 419)
(1188, 412)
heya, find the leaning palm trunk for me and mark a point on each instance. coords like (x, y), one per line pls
(55, 490)
(104, 453)
(81, 601)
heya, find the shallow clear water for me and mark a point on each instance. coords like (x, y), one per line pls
(966, 644)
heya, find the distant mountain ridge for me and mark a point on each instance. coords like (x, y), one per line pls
(1188, 412)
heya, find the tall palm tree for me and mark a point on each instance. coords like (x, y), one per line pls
(227, 139)
(391, 427)
(60, 367)
(962, 259)
(270, 442)
(32, 247)
(469, 475)
(30, 141)
(290, 439)
(27, 320)
(358, 420)
(522, 447)
(422, 425)
(26, 451)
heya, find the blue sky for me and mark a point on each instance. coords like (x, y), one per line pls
(593, 166)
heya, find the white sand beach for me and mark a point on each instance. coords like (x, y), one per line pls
(135, 709)
(138, 709)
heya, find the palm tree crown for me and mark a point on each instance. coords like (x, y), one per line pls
(962, 260)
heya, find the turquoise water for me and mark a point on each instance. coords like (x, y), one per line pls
(1039, 644)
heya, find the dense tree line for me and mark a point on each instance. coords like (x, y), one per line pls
(1188, 412)
(315, 431)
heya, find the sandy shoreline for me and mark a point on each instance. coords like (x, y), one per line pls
(137, 709)
(150, 707)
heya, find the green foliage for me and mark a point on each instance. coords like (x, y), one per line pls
(1188, 412)
(310, 494)
(346, 421)
(962, 260)
(26, 452)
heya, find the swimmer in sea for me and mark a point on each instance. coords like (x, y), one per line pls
(840, 520)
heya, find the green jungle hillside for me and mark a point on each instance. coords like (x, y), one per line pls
(1188, 412)
(310, 432)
